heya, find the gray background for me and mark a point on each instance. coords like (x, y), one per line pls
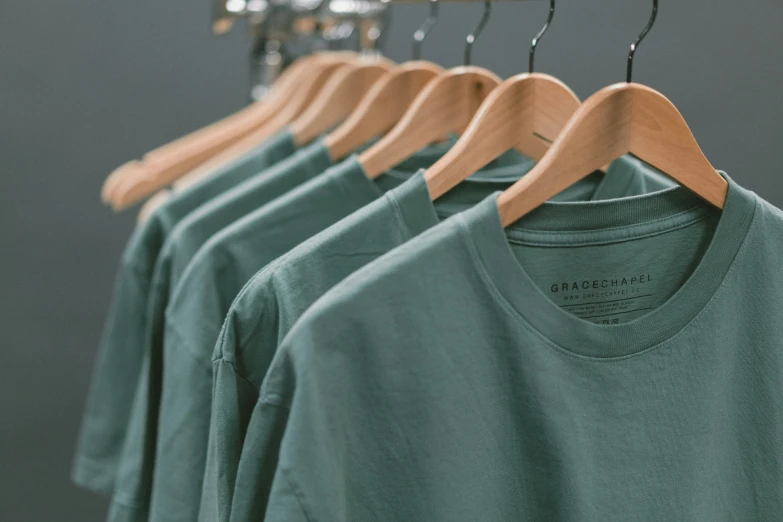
(86, 85)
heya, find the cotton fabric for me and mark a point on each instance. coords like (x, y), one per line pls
(212, 281)
(119, 359)
(134, 481)
(242, 360)
(610, 360)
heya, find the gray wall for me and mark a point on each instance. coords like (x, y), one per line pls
(88, 84)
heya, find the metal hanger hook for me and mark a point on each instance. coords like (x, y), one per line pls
(379, 29)
(422, 32)
(540, 35)
(471, 39)
(635, 45)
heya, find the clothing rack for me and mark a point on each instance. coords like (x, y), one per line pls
(278, 29)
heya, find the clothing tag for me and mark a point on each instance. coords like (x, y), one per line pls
(609, 300)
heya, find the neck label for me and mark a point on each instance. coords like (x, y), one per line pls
(606, 300)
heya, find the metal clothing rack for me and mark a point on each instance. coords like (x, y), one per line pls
(284, 30)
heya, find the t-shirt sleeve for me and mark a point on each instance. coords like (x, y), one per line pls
(258, 462)
(193, 323)
(119, 361)
(113, 384)
(183, 429)
(133, 484)
(238, 371)
(233, 398)
(130, 497)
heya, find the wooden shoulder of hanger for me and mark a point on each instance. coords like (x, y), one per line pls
(294, 108)
(211, 136)
(620, 119)
(308, 92)
(525, 113)
(445, 105)
(339, 97)
(144, 182)
(381, 107)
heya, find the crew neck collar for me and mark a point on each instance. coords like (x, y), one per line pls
(572, 224)
(412, 202)
(354, 181)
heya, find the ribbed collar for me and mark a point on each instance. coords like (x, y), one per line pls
(574, 224)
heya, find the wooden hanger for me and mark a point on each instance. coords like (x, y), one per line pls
(620, 119)
(143, 180)
(526, 112)
(289, 113)
(194, 146)
(445, 105)
(343, 88)
(152, 204)
(387, 101)
(134, 188)
(381, 107)
(339, 98)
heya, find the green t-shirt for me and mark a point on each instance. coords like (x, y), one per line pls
(231, 259)
(134, 476)
(595, 361)
(212, 281)
(119, 357)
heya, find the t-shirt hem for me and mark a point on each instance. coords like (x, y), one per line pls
(93, 475)
(121, 510)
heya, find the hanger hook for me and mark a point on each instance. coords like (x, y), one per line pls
(356, 34)
(540, 35)
(422, 32)
(635, 45)
(471, 39)
(379, 29)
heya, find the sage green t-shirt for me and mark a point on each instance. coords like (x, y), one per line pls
(236, 384)
(613, 360)
(131, 496)
(213, 280)
(119, 357)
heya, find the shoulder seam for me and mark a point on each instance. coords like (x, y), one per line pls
(407, 231)
(236, 372)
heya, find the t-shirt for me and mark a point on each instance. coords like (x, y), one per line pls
(276, 297)
(213, 280)
(134, 476)
(119, 357)
(613, 360)
(231, 259)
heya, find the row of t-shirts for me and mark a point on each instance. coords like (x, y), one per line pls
(290, 340)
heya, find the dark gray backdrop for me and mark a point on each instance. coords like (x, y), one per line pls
(86, 85)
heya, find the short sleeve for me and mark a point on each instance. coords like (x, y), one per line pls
(258, 463)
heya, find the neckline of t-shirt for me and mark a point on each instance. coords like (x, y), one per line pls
(489, 246)
(352, 179)
(618, 178)
(411, 200)
(608, 221)
(413, 204)
(417, 211)
(500, 174)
